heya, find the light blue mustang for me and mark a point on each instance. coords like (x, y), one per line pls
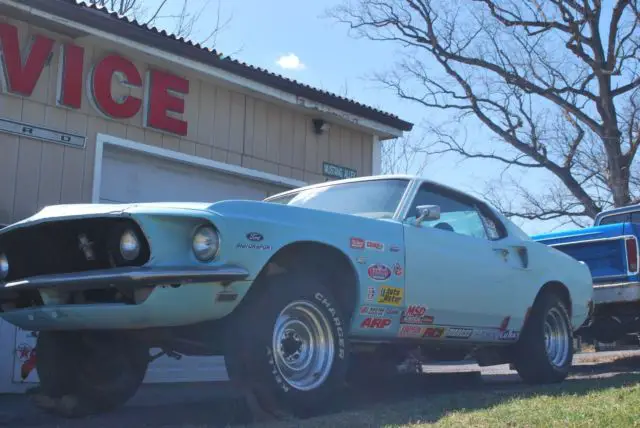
(290, 289)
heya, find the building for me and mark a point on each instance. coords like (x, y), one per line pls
(95, 108)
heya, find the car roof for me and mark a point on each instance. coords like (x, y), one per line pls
(411, 178)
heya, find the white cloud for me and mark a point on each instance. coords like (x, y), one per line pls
(290, 62)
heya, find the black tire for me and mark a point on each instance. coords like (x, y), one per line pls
(251, 358)
(102, 370)
(530, 354)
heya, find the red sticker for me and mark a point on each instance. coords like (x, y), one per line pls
(379, 272)
(375, 323)
(357, 243)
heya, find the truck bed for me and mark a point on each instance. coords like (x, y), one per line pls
(609, 251)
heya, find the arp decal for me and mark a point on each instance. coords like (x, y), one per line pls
(508, 335)
(459, 333)
(379, 323)
(357, 243)
(371, 293)
(390, 295)
(373, 311)
(397, 269)
(415, 314)
(254, 246)
(379, 272)
(433, 332)
(411, 331)
(373, 245)
(254, 236)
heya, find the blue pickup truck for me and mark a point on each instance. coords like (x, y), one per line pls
(610, 249)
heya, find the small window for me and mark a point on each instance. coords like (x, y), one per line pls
(495, 228)
(456, 214)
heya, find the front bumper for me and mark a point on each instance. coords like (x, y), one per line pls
(196, 300)
(621, 292)
(127, 276)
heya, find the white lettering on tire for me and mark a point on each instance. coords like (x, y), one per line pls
(274, 371)
(336, 321)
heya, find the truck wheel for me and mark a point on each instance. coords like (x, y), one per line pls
(287, 345)
(544, 352)
(91, 372)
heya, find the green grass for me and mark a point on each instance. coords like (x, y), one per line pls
(605, 402)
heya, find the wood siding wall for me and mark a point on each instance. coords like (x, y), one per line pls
(224, 125)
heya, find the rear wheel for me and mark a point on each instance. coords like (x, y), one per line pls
(544, 352)
(83, 373)
(287, 344)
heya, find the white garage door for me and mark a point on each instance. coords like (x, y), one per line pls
(129, 176)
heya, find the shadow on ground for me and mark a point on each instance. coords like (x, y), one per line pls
(367, 404)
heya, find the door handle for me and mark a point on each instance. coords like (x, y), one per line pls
(503, 252)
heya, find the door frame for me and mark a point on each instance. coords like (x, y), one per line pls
(103, 140)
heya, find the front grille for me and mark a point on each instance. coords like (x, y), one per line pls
(55, 248)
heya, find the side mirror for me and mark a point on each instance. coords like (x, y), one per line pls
(427, 212)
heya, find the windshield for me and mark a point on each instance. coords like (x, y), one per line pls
(374, 198)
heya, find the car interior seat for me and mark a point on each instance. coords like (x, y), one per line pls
(444, 226)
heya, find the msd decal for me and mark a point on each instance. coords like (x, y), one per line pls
(379, 323)
(379, 272)
(415, 314)
(390, 295)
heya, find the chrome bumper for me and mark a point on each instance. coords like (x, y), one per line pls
(616, 293)
(129, 276)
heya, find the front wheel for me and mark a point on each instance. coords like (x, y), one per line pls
(544, 353)
(84, 373)
(287, 344)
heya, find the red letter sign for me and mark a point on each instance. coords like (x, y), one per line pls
(70, 76)
(101, 87)
(17, 77)
(161, 102)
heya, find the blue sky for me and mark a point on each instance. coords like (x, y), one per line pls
(317, 51)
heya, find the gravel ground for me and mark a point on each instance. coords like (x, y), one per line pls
(217, 405)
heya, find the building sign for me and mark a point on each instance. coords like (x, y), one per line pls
(337, 171)
(161, 105)
(40, 133)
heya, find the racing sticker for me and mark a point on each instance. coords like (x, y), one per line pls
(508, 335)
(397, 269)
(379, 323)
(459, 333)
(371, 294)
(373, 245)
(416, 314)
(411, 331)
(356, 243)
(433, 332)
(373, 311)
(390, 295)
(379, 272)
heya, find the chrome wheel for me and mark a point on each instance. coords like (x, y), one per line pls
(557, 337)
(303, 345)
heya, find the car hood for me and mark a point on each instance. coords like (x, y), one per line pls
(74, 211)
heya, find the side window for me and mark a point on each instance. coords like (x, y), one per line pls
(494, 227)
(456, 215)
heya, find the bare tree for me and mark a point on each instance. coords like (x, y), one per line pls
(184, 21)
(555, 82)
(404, 155)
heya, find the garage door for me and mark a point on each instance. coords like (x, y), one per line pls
(129, 176)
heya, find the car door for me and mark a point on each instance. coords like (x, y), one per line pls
(453, 268)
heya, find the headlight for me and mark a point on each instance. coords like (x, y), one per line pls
(4, 266)
(129, 246)
(205, 243)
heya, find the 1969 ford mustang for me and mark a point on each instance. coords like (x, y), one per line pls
(296, 291)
